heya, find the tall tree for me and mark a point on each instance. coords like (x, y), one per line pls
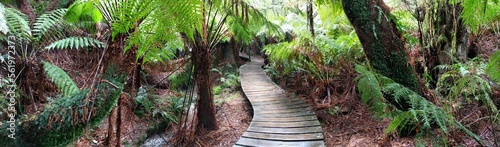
(381, 42)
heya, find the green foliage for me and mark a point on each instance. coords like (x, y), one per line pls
(479, 15)
(142, 99)
(422, 112)
(63, 82)
(76, 43)
(464, 81)
(217, 90)
(83, 11)
(151, 24)
(65, 119)
(180, 80)
(16, 21)
(229, 79)
(494, 66)
(371, 92)
(156, 106)
(322, 57)
(48, 21)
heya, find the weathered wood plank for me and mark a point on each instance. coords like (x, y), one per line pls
(309, 123)
(285, 103)
(289, 137)
(284, 119)
(316, 129)
(290, 110)
(274, 107)
(259, 142)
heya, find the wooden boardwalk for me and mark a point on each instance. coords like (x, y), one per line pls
(278, 120)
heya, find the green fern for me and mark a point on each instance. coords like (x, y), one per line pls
(75, 43)
(422, 111)
(3, 23)
(494, 66)
(17, 23)
(66, 118)
(371, 92)
(63, 82)
(479, 15)
(47, 22)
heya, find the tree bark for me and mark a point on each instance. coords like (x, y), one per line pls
(310, 17)
(206, 109)
(201, 58)
(381, 42)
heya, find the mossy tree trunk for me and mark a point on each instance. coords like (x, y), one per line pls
(381, 42)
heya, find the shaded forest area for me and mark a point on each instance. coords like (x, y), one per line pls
(165, 73)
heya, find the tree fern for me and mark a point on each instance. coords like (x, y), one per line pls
(76, 43)
(63, 82)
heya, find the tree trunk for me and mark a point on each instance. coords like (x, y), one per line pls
(310, 17)
(206, 108)
(444, 37)
(201, 58)
(381, 42)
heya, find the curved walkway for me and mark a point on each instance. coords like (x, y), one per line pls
(278, 120)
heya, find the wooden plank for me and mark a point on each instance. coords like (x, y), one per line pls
(285, 103)
(265, 95)
(282, 115)
(274, 107)
(291, 110)
(284, 119)
(272, 99)
(289, 137)
(276, 94)
(316, 129)
(309, 123)
(259, 142)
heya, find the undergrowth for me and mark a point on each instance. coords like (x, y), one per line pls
(64, 119)
(423, 113)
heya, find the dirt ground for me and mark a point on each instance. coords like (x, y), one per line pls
(233, 118)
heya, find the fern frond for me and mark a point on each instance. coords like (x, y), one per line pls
(421, 111)
(371, 92)
(75, 43)
(63, 82)
(3, 21)
(46, 21)
(17, 22)
(493, 67)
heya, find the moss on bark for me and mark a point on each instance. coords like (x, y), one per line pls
(381, 42)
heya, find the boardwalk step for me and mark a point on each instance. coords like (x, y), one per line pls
(290, 137)
(259, 142)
